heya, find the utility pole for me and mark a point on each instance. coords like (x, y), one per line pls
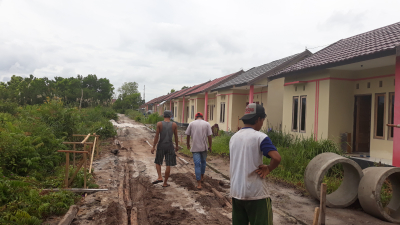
(144, 93)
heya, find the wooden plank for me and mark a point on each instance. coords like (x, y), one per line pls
(316, 215)
(127, 189)
(88, 190)
(322, 205)
(66, 169)
(134, 220)
(72, 151)
(76, 172)
(87, 137)
(78, 143)
(84, 135)
(70, 215)
(91, 160)
(74, 154)
(84, 172)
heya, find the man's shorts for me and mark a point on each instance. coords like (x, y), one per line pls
(168, 153)
(255, 212)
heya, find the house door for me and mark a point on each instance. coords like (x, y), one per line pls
(362, 123)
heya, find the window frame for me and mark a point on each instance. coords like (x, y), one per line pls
(297, 122)
(377, 95)
(222, 113)
(391, 107)
(300, 113)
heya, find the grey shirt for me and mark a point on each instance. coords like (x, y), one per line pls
(199, 130)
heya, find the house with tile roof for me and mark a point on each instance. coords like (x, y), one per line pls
(347, 92)
(232, 96)
(202, 100)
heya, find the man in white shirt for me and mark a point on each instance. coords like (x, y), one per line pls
(251, 202)
(200, 131)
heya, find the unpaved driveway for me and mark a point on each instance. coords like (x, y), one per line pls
(132, 199)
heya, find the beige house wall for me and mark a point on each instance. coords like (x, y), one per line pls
(274, 107)
(212, 100)
(337, 91)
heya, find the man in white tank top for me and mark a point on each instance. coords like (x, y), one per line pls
(251, 202)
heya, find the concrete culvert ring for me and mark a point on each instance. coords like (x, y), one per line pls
(369, 193)
(347, 192)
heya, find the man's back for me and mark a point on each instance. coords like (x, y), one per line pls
(245, 157)
(199, 130)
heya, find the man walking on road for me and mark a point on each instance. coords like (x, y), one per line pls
(165, 147)
(251, 202)
(200, 131)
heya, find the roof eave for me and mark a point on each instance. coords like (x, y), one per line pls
(383, 53)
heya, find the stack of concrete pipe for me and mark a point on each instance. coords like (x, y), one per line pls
(364, 184)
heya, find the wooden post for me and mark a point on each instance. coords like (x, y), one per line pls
(74, 154)
(87, 137)
(84, 172)
(91, 158)
(66, 169)
(322, 205)
(316, 215)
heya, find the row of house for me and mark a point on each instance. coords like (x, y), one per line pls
(345, 92)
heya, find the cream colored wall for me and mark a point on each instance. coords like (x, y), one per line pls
(289, 93)
(198, 102)
(222, 96)
(212, 101)
(274, 106)
(239, 99)
(379, 148)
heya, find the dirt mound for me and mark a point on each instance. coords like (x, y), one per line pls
(184, 180)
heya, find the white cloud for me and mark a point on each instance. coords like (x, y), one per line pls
(170, 44)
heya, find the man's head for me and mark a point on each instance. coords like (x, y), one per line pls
(254, 115)
(167, 114)
(199, 115)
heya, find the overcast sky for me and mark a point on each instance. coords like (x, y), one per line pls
(171, 43)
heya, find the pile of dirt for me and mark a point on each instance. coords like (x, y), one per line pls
(184, 180)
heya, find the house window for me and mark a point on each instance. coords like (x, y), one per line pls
(391, 115)
(175, 111)
(222, 113)
(368, 85)
(379, 116)
(303, 111)
(295, 113)
(192, 116)
(357, 86)
(380, 83)
(211, 111)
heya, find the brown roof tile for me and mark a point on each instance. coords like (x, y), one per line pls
(371, 42)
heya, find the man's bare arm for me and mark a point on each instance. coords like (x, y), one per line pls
(159, 124)
(209, 142)
(275, 160)
(175, 127)
(188, 141)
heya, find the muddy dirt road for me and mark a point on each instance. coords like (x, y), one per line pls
(132, 199)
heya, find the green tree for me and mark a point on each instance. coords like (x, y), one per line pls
(184, 87)
(128, 88)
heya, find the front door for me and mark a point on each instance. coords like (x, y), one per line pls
(362, 123)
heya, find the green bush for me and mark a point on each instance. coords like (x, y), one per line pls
(153, 118)
(30, 137)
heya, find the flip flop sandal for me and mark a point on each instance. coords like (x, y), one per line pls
(157, 181)
(166, 186)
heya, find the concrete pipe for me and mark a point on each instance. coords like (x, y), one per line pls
(369, 193)
(346, 194)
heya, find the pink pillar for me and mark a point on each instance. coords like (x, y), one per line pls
(251, 94)
(396, 131)
(205, 107)
(183, 108)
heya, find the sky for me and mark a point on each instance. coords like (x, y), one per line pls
(172, 43)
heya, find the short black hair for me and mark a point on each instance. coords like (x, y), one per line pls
(167, 116)
(254, 120)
